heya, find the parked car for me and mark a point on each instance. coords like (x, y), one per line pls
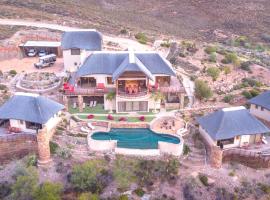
(32, 53)
(46, 61)
(42, 53)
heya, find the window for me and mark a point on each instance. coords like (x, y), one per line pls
(256, 106)
(21, 121)
(75, 51)
(262, 109)
(109, 81)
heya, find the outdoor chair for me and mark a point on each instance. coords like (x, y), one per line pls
(91, 126)
(85, 129)
(94, 103)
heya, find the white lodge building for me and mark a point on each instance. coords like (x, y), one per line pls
(260, 106)
(132, 76)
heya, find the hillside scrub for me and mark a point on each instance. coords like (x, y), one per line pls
(213, 72)
(202, 90)
(210, 49)
(141, 37)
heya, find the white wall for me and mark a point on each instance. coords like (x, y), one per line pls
(108, 104)
(22, 126)
(265, 114)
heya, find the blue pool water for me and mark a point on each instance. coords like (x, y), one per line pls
(138, 138)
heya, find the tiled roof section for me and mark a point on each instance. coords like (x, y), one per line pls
(262, 100)
(133, 64)
(108, 62)
(86, 39)
(29, 107)
(230, 122)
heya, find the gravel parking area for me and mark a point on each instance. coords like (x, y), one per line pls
(27, 65)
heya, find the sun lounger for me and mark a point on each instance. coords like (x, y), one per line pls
(85, 129)
(90, 126)
(95, 104)
(91, 104)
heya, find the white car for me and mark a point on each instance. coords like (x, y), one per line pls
(42, 53)
(32, 53)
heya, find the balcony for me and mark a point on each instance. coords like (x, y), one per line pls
(95, 91)
(131, 93)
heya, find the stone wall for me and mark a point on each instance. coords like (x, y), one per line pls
(17, 146)
(129, 125)
(245, 157)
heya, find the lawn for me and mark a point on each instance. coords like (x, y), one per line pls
(116, 118)
(95, 110)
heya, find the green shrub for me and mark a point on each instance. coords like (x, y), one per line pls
(251, 82)
(213, 72)
(241, 41)
(228, 98)
(89, 176)
(31, 160)
(166, 44)
(64, 153)
(246, 94)
(210, 49)
(265, 188)
(193, 77)
(254, 92)
(246, 65)
(48, 191)
(123, 197)
(12, 72)
(213, 58)
(53, 147)
(202, 90)
(204, 180)
(141, 37)
(3, 87)
(25, 185)
(123, 31)
(88, 196)
(186, 150)
(227, 70)
(139, 192)
(231, 58)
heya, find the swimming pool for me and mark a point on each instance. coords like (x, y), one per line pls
(137, 138)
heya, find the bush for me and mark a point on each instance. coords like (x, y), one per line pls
(266, 37)
(246, 94)
(202, 90)
(12, 72)
(88, 196)
(31, 160)
(3, 87)
(193, 77)
(265, 188)
(48, 191)
(122, 119)
(123, 197)
(84, 177)
(5, 189)
(228, 98)
(246, 65)
(123, 31)
(110, 117)
(91, 116)
(53, 147)
(186, 150)
(251, 82)
(25, 185)
(230, 58)
(213, 72)
(227, 70)
(166, 44)
(139, 192)
(64, 153)
(142, 118)
(210, 49)
(204, 180)
(141, 37)
(213, 58)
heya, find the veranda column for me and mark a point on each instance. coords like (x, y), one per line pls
(216, 157)
(182, 100)
(43, 141)
(65, 101)
(80, 101)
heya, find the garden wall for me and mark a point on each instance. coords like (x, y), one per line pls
(16, 145)
(129, 125)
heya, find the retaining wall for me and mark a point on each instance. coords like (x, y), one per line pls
(130, 125)
(16, 146)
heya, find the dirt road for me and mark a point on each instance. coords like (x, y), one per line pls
(124, 43)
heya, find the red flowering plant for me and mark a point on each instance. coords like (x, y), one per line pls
(91, 116)
(110, 117)
(122, 119)
(142, 118)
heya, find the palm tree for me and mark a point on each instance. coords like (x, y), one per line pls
(157, 97)
(110, 96)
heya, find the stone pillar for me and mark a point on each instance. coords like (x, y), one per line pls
(80, 102)
(215, 157)
(43, 143)
(182, 100)
(65, 101)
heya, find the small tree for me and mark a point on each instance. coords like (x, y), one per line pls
(227, 70)
(157, 97)
(110, 97)
(213, 72)
(202, 90)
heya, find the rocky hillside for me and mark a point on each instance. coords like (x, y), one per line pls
(197, 19)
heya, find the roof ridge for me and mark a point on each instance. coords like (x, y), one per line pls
(221, 121)
(38, 107)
